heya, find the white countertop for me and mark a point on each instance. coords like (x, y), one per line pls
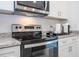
(69, 35)
(8, 42)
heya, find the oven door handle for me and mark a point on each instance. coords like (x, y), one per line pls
(39, 44)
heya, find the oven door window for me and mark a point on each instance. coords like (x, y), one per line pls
(49, 50)
(40, 51)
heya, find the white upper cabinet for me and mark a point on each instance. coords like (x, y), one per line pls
(58, 9)
(52, 9)
(7, 5)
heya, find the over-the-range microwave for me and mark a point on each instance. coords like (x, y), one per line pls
(32, 8)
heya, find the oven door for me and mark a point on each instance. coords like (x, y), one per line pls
(44, 49)
(48, 50)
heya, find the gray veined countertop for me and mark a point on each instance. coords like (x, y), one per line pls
(72, 34)
(8, 42)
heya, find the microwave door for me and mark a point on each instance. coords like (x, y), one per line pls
(40, 5)
(26, 3)
(33, 4)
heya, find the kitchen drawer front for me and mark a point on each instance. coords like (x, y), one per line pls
(66, 41)
(74, 39)
(10, 52)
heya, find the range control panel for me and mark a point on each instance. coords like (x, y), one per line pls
(23, 28)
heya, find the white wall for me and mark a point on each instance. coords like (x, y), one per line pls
(7, 5)
(70, 10)
(7, 20)
(73, 14)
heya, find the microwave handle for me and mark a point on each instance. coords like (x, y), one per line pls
(39, 44)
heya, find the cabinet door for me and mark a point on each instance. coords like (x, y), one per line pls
(62, 9)
(78, 45)
(65, 51)
(62, 52)
(7, 5)
(10, 52)
(75, 50)
(75, 46)
(53, 10)
(68, 51)
(58, 9)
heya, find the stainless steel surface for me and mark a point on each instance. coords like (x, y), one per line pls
(27, 14)
(44, 51)
(21, 28)
(39, 44)
(35, 42)
(25, 8)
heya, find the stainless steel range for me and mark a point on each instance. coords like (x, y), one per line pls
(32, 43)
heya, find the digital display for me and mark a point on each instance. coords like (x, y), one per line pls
(29, 27)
